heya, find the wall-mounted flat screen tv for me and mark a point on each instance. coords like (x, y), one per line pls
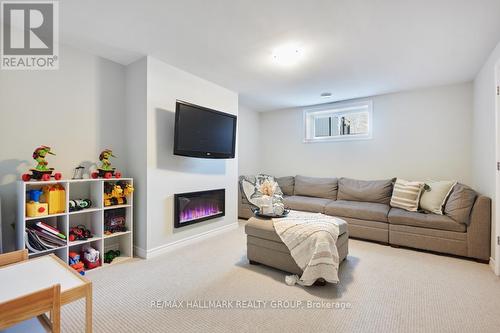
(203, 132)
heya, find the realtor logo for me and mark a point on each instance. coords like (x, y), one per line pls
(30, 33)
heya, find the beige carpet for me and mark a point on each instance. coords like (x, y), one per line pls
(387, 289)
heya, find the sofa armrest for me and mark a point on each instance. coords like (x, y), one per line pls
(479, 230)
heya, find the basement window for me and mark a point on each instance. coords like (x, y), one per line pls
(338, 122)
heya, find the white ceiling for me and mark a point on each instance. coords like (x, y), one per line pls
(352, 48)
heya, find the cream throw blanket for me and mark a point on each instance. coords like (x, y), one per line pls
(311, 239)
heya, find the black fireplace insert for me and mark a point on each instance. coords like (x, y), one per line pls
(194, 207)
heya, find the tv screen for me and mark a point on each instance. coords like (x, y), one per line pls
(203, 132)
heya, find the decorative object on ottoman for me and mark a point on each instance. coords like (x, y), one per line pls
(264, 193)
(283, 213)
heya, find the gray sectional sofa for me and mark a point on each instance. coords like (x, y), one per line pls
(464, 229)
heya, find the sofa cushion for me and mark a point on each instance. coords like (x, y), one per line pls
(406, 195)
(435, 194)
(316, 187)
(431, 221)
(460, 202)
(307, 204)
(359, 210)
(379, 191)
(286, 184)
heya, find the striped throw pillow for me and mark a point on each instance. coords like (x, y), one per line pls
(406, 195)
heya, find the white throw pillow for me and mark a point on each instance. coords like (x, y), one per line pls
(406, 194)
(435, 194)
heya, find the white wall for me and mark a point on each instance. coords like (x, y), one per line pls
(422, 134)
(136, 89)
(248, 141)
(168, 174)
(77, 110)
(485, 136)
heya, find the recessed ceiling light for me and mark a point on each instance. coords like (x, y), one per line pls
(287, 55)
(326, 95)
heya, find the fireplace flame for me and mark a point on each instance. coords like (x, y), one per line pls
(207, 209)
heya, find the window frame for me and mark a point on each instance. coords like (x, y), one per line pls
(338, 109)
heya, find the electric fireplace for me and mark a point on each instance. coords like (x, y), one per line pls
(196, 207)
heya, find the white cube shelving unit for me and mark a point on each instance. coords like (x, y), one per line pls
(92, 218)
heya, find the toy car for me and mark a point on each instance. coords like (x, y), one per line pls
(76, 205)
(100, 173)
(110, 256)
(41, 175)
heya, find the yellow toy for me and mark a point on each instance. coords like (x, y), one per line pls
(128, 189)
(34, 207)
(116, 194)
(55, 196)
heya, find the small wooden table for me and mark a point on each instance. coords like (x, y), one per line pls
(29, 276)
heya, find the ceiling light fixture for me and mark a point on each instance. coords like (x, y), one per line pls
(326, 95)
(287, 55)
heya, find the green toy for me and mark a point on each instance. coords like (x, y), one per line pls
(106, 170)
(110, 256)
(41, 171)
(39, 156)
(104, 158)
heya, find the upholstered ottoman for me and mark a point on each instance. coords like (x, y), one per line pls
(264, 246)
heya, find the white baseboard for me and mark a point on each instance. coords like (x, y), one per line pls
(494, 267)
(140, 252)
(182, 242)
